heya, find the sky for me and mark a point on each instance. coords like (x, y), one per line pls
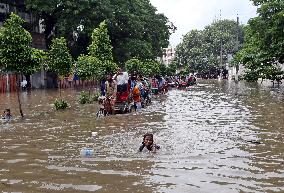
(196, 14)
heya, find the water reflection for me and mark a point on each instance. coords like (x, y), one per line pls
(217, 136)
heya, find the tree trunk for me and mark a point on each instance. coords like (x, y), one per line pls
(90, 90)
(60, 88)
(18, 95)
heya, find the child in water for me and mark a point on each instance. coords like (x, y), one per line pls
(7, 114)
(148, 142)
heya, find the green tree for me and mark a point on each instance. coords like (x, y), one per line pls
(136, 29)
(264, 42)
(200, 50)
(88, 67)
(15, 50)
(35, 63)
(16, 55)
(163, 69)
(150, 68)
(191, 52)
(101, 47)
(59, 59)
(99, 61)
(172, 68)
(133, 64)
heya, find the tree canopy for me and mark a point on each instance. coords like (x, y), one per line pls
(263, 50)
(59, 58)
(101, 45)
(145, 68)
(15, 50)
(136, 29)
(99, 60)
(200, 50)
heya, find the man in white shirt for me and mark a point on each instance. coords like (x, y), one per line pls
(121, 79)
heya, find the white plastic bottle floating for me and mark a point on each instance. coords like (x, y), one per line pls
(87, 152)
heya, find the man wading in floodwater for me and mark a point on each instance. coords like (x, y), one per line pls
(111, 90)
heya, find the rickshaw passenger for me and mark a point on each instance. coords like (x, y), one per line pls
(121, 79)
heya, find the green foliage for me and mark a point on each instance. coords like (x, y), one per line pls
(183, 72)
(163, 69)
(133, 64)
(59, 59)
(99, 62)
(101, 48)
(200, 50)
(136, 29)
(101, 45)
(88, 67)
(273, 73)
(60, 104)
(85, 97)
(150, 68)
(171, 69)
(15, 51)
(251, 75)
(110, 67)
(263, 50)
(37, 60)
(146, 68)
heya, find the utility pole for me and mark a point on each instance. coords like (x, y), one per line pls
(237, 48)
(221, 39)
(237, 33)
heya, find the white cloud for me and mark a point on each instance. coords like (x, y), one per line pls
(196, 14)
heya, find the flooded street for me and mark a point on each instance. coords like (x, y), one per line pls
(215, 137)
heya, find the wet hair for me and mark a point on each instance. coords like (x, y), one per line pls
(7, 110)
(143, 144)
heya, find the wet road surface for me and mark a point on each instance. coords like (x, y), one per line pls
(214, 137)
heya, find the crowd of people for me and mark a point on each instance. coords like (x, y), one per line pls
(124, 88)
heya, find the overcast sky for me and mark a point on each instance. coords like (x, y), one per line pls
(196, 14)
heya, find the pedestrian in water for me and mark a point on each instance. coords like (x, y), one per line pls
(148, 142)
(111, 90)
(7, 114)
(137, 98)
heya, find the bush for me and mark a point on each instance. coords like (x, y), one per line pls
(60, 104)
(251, 76)
(85, 97)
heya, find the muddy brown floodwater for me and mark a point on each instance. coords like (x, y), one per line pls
(215, 137)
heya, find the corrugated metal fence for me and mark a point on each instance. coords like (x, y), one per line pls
(8, 83)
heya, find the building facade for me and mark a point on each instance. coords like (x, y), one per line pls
(33, 24)
(168, 55)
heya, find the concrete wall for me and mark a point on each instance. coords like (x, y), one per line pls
(44, 79)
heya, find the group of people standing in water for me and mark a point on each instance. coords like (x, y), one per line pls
(134, 87)
(124, 87)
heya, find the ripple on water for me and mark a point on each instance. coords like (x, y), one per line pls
(215, 137)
